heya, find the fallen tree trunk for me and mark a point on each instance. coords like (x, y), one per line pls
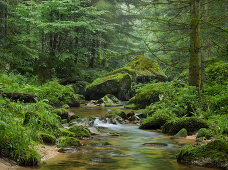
(26, 98)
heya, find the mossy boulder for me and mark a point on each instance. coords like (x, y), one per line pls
(62, 113)
(181, 134)
(79, 131)
(68, 142)
(67, 133)
(151, 93)
(203, 132)
(143, 69)
(47, 138)
(155, 121)
(116, 113)
(110, 100)
(191, 124)
(117, 84)
(213, 155)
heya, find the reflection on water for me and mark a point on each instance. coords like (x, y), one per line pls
(126, 152)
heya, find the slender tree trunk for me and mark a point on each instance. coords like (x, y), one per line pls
(195, 45)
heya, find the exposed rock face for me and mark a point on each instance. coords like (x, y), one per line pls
(118, 85)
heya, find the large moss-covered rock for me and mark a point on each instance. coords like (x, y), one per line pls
(213, 154)
(79, 131)
(203, 132)
(117, 84)
(143, 69)
(155, 121)
(191, 124)
(68, 142)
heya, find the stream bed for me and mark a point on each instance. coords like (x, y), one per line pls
(126, 151)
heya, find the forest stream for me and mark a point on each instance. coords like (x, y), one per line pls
(127, 150)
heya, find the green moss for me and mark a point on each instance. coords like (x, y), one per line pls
(131, 106)
(64, 121)
(213, 154)
(203, 132)
(146, 66)
(115, 113)
(149, 94)
(67, 133)
(191, 124)
(68, 142)
(79, 131)
(110, 100)
(156, 120)
(115, 77)
(62, 113)
(182, 133)
(47, 138)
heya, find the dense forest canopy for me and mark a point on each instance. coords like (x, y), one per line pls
(166, 58)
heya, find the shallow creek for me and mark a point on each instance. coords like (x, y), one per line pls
(125, 152)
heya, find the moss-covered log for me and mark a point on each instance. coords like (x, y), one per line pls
(26, 98)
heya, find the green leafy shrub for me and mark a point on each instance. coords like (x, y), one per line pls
(158, 119)
(219, 124)
(79, 131)
(68, 142)
(213, 154)
(217, 73)
(47, 138)
(59, 95)
(191, 124)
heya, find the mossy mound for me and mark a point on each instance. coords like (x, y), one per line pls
(110, 100)
(191, 124)
(116, 113)
(68, 142)
(143, 69)
(79, 131)
(181, 134)
(148, 94)
(213, 154)
(47, 138)
(67, 133)
(155, 121)
(117, 84)
(203, 132)
(62, 113)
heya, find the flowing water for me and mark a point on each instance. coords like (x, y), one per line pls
(125, 152)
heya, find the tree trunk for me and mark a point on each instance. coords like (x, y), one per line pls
(195, 45)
